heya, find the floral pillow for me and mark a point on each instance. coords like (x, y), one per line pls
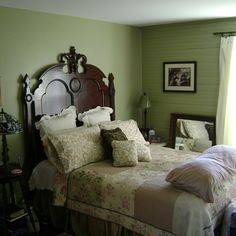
(51, 154)
(129, 127)
(50, 150)
(110, 135)
(78, 147)
(124, 153)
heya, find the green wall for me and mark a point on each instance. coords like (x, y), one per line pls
(192, 41)
(30, 41)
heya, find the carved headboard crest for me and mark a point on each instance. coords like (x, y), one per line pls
(73, 59)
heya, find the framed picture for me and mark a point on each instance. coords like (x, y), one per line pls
(179, 76)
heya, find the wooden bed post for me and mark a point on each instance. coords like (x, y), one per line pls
(112, 94)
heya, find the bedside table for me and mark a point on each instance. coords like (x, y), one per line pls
(7, 215)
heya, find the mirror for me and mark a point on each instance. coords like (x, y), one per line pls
(192, 132)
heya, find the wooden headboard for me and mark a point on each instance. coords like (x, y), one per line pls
(70, 82)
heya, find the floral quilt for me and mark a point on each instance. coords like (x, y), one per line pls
(140, 199)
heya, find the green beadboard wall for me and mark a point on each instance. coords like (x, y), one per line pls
(30, 41)
(193, 41)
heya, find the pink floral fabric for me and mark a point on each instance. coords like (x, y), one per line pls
(113, 194)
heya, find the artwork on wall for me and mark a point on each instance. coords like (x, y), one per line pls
(179, 76)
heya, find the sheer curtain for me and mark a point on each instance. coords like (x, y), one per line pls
(226, 109)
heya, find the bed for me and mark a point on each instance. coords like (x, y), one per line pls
(128, 187)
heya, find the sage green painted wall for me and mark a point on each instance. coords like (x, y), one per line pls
(32, 40)
(192, 41)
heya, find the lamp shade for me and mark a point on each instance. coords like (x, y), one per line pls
(144, 102)
(9, 124)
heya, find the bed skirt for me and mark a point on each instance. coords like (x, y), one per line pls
(79, 223)
(84, 225)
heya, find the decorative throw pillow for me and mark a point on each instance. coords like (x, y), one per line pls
(95, 116)
(143, 152)
(78, 147)
(129, 127)
(110, 135)
(52, 154)
(50, 150)
(64, 120)
(124, 153)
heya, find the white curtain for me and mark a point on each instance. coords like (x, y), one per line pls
(226, 109)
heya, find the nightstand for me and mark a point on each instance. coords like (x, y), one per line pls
(10, 212)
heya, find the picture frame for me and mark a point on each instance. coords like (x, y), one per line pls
(180, 76)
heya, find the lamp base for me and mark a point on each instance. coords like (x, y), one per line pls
(5, 157)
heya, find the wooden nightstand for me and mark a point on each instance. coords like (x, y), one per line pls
(10, 212)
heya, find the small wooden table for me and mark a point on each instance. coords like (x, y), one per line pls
(8, 197)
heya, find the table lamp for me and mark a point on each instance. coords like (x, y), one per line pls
(8, 125)
(144, 103)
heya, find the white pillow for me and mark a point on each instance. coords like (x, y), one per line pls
(95, 116)
(81, 115)
(201, 145)
(64, 120)
(143, 152)
(195, 129)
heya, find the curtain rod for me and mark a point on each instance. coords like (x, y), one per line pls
(230, 33)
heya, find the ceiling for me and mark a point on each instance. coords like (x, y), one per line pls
(132, 12)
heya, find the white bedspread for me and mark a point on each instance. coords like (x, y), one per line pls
(43, 176)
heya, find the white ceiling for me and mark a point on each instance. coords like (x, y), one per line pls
(132, 12)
